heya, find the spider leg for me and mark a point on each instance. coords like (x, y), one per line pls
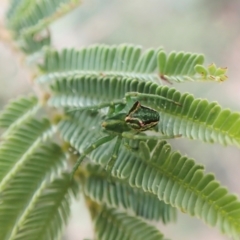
(98, 106)
(114, 156)
(131, 135)
(131, 144)
(93, 146)
(144, 96)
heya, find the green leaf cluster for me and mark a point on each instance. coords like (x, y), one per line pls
(42, 138)
(29, 21)
(127, 61)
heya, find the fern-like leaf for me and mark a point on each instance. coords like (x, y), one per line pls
(195, 118)
(14, 151)
(83, 129)
(114, 225)
(31, 17)
(180, 67)
(120, 194)
(211, 72)
(101, 60)
(19, 194)
(175, 179)
(48, 212)
(29, 21)
(17, 112)
(125, 61)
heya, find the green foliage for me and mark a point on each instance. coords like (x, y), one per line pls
(212, 72)
(48, 212)
(120, 194)
(23, 141)
(19, 192)
(29, 19)
(182, 67)
(17, 112)
(154, 168)
(148, 180)
(111, 224)
(122, 61)
(179, 181)
(195, 118)
(178, 66)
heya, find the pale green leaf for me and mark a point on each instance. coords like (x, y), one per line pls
(114, 225)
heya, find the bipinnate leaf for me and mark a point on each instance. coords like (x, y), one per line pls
(17, 147)
(20, 192)
(17, 112)
(49, 212)
(154, 168)
(126, 60)
(119, 194)
(192, 118)
(179, 181)
(114, 225)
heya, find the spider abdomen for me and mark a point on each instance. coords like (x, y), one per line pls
(141, 117)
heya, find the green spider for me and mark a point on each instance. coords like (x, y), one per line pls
(121, 125)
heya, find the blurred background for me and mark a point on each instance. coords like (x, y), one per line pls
(208, 27)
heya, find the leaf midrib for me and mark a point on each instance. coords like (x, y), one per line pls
(200, 123)
(197, 193)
